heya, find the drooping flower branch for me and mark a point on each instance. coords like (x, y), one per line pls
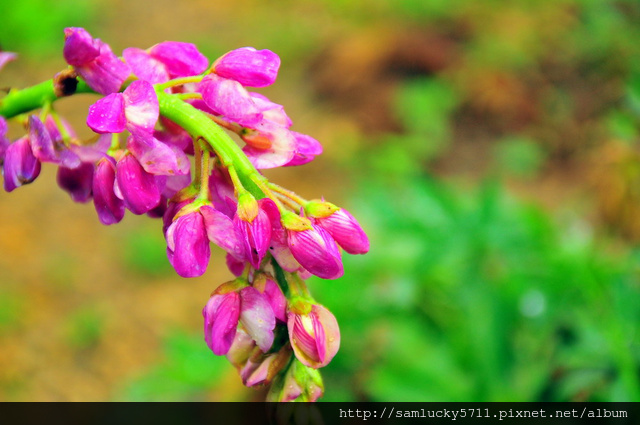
(160, 150)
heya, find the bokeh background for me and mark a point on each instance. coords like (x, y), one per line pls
(490, 149)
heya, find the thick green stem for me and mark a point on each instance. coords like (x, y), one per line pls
(195, 122)
(199, 124)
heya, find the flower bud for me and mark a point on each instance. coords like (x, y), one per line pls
(265, 283)
(188, 245)
(253, 312)
(78, 182)
(249, 67)
(261, 368)
(109, 207)
(221, 315)
(340, 224)
(314, 334)
(254, 228)
(313, 247)
(138, 189)
(20, 165)
(298, 383)
(94, 61)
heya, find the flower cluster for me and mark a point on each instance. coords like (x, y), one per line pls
(159, 150)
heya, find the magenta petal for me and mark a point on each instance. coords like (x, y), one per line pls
(257, 317)
(41, 143)
(4, 141)
(306, 149)
(20, 165)
(315, 337)
(78, 182)
(109, 207)
(157, 157)
(255, 237)
(79, 47)
(145, 67)
(317, 252)
(227, 97)
(141, 107)
(138, 188)
(276, 299)
(106, 73)
(346, 231)
(221, 231)
(281, 151)
(107, 114)
(271, 111)
(234, 265)
(248, 66)
(94, 152)
(221, 316)
(181, 59)
(187, 238)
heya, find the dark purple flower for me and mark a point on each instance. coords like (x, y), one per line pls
(249, 67)
(20, 165)
(78, 182)
(109, 207)
(94, 61)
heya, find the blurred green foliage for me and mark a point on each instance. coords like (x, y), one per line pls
(185, 374)
(41, 37)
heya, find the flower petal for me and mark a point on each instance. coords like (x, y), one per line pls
(181, 59)
(257, 317)
(248, 66)
(144, 66)
(141, 107)
(107, 114)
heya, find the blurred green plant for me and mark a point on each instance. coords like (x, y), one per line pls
(34, 27)
(187, 372)
(477, 297)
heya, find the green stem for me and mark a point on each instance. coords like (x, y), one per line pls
(195, 122)
(199, 125)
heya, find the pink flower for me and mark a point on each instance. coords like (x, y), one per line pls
(136, 109)
(341, 225)
(253, 227)
(230, 304)
(188, 245)
(316, 251)
(138, 189)
(94, 61)
(248, 66)
(314, 334)
(164, 61)
(20, 165)
(109, 207)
